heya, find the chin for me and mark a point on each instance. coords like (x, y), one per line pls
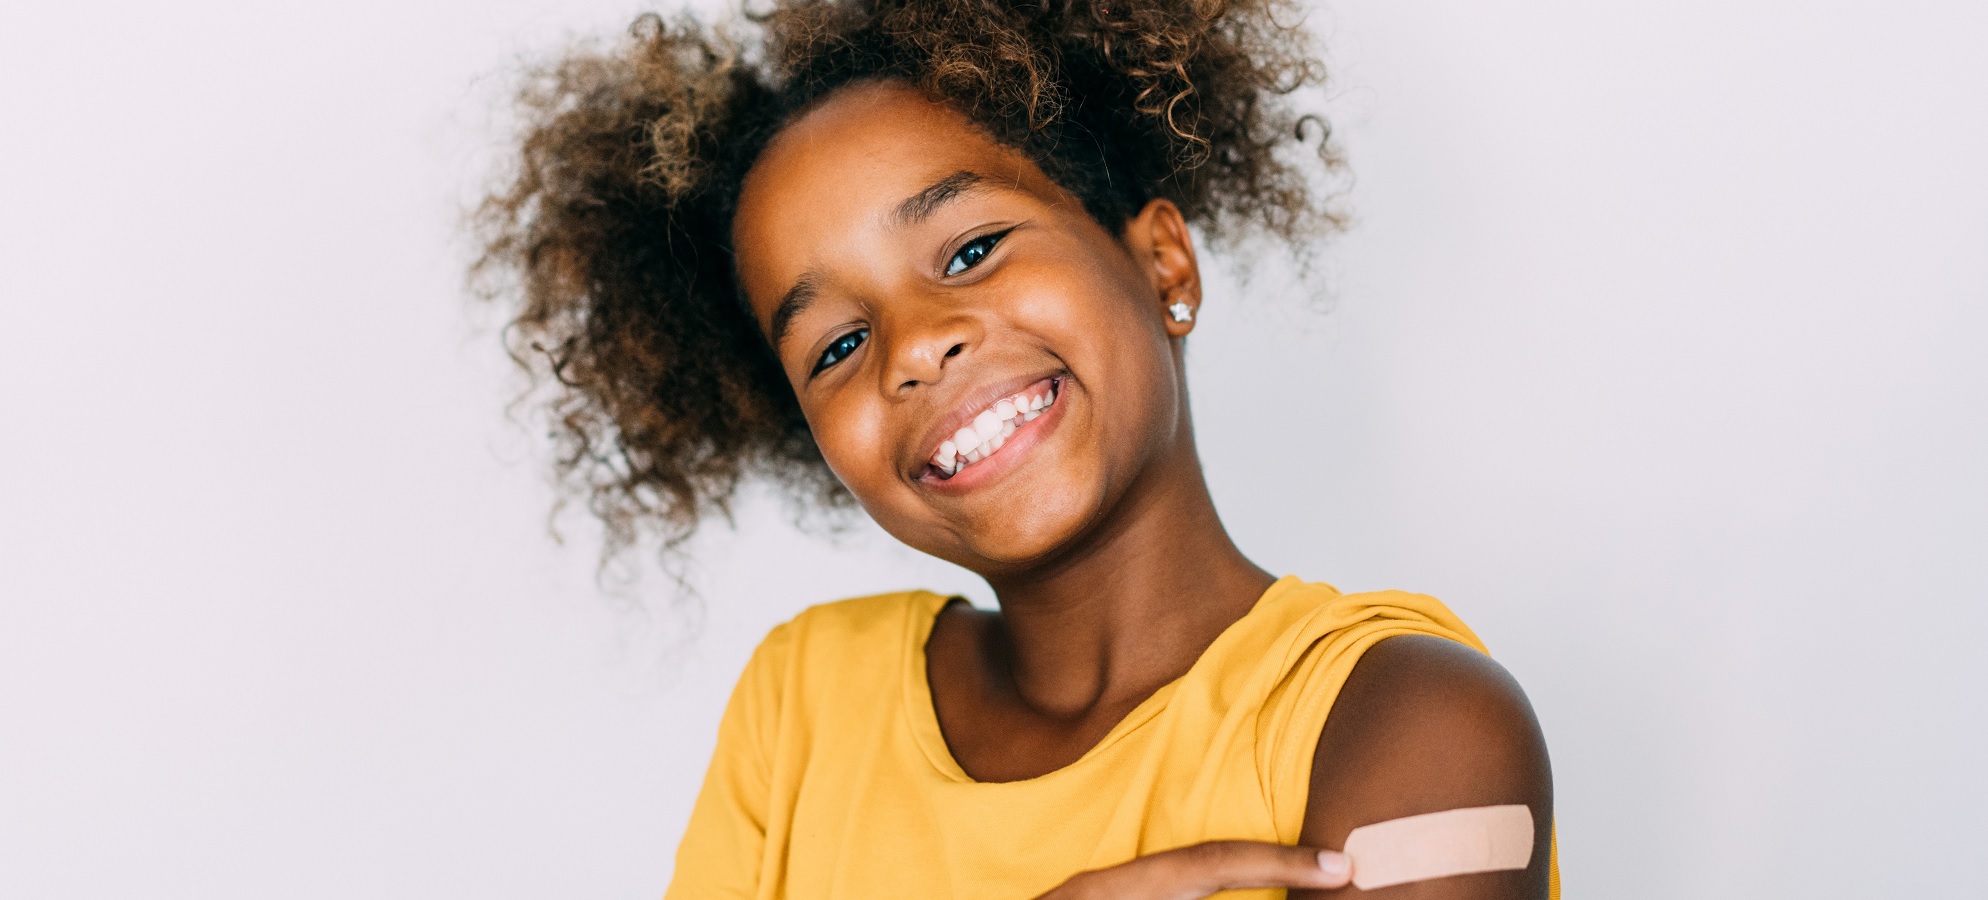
(1035, 537)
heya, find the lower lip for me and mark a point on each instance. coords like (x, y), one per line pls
(992, 467)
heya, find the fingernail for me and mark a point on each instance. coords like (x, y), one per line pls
(1333, 862)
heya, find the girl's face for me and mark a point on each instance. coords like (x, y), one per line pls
(989, 371)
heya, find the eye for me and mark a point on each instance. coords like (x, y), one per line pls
(840, 348)
(974, 251)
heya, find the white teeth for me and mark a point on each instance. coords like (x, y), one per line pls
(987, 424)
(989, 431)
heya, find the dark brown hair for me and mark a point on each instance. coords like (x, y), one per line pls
(612, 233)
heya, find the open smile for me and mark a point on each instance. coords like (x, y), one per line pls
(977, 444)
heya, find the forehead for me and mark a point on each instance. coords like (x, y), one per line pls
(832, 178)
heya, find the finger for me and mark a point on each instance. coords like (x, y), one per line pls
(1203, 869)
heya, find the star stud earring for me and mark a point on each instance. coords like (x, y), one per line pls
(1181, 312)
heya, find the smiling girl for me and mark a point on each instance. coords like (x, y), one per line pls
(940, 255)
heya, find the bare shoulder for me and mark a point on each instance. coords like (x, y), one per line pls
(1425, 724)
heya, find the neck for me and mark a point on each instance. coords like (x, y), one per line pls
(1134, 606)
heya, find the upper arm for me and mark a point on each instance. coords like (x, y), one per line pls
(1422, 725)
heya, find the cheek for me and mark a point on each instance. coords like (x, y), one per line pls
(1098, 319)
(856, 439)
(1091, 307)
(851, 436)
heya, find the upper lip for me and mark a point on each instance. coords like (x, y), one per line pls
(968, 405)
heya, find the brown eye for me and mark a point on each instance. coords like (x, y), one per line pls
(839, 349)
(974, 251)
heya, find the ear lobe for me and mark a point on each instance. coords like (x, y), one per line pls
(1171, 263)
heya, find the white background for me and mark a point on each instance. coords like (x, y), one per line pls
(1658, 353)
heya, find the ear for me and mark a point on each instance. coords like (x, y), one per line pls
(1160, 242)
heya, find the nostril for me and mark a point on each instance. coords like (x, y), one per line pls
(956, 348)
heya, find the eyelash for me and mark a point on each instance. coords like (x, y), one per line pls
(847, 344)
(985, 244)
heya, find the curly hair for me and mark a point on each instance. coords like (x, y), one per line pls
(612, 233)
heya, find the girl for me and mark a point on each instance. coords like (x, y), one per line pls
(940, 255)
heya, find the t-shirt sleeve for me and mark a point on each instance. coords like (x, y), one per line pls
(1327, 647)
(722, 853)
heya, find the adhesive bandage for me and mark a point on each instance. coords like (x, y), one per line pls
(1440, 844)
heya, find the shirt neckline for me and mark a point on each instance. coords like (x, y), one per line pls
(924, 717)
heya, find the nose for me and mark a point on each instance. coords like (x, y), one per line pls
(920, 346)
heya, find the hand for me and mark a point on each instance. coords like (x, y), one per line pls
(1196, 871)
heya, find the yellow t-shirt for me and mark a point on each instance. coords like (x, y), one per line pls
(831, 780)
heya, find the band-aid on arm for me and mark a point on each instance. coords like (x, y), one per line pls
(1440, 844)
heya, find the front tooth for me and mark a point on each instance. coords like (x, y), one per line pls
(1005, 409)
(987, 424)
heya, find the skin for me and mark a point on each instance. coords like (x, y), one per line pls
(1094, 526)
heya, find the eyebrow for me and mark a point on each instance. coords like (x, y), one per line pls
(796, 301)
(920, 206)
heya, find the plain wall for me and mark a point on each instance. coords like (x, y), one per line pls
(1656, 352)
